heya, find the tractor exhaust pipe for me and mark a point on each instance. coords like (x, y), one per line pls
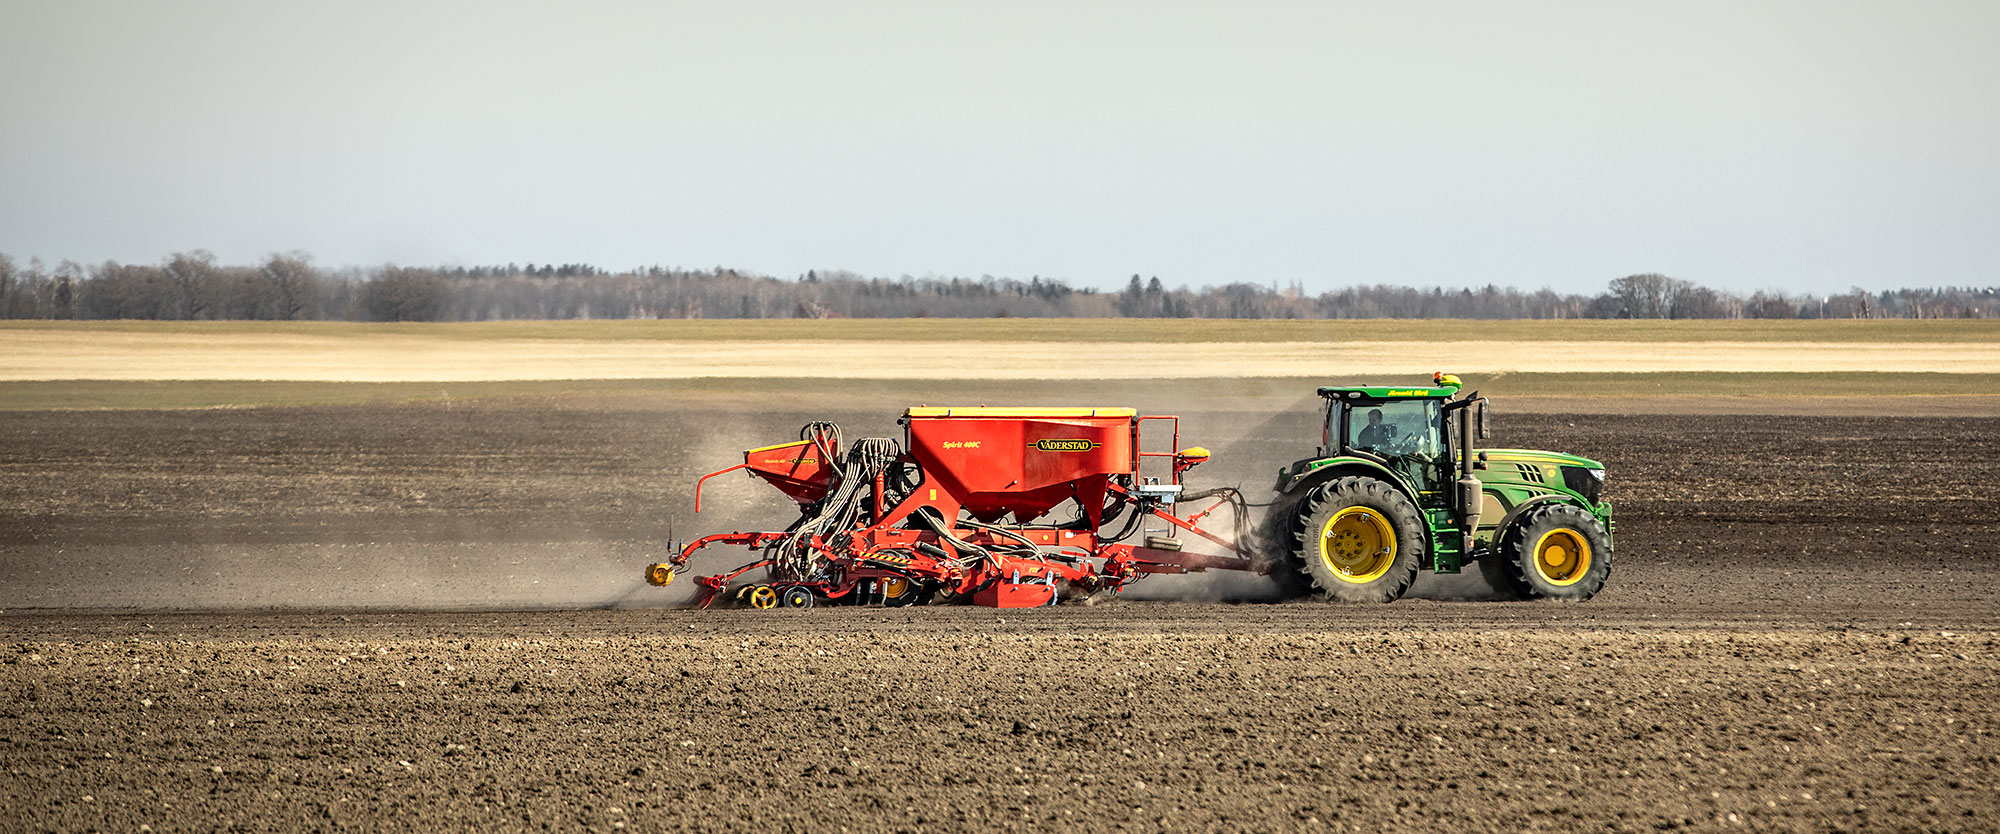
(1471, 493)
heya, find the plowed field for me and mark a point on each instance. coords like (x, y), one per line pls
(413, 617)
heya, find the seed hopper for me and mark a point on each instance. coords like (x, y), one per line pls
(1001, 507)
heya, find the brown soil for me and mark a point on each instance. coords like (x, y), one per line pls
(1801, 634)
(1134, 716)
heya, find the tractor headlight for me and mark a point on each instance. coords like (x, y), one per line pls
(1588, 483)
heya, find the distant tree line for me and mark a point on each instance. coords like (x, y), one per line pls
(192, 285)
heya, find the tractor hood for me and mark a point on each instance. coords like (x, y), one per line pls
(1535, 470)
(1537, 456)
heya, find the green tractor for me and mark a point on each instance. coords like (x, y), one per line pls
(1392, 491)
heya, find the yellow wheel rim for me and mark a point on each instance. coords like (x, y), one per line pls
(895, 587)
(660, 574)
(1358, 545)
(763, 596)
(1562, 556)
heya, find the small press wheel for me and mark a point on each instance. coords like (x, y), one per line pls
(659, 573)
(762, 597)
(798, 598)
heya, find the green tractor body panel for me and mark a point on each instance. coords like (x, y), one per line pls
(1512, 478)
(1424, 468)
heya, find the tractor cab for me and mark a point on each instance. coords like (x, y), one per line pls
(1404, 429)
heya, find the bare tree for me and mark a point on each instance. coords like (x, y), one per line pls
(69, 276)
(192, 275)
(1646, 296)
(32, 290)
(405, 294)
(9, 282)
(295, 285)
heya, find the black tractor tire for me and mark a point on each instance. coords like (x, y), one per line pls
(1274, 541)
(1496, 567)
(1360, 540)
(1558, 552)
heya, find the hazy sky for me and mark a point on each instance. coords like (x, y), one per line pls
(1806, 146)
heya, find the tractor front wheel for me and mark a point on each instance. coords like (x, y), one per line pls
(1558, 552)
(1361, 540)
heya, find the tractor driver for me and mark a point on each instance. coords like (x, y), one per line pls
(1377, 434)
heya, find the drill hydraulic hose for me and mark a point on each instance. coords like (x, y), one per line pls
(794, 556)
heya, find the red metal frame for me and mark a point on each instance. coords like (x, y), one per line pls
(979, 465)
(704, 479)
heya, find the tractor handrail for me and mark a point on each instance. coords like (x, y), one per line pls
(1138, 452)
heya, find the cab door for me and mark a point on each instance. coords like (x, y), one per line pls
(1417, 451)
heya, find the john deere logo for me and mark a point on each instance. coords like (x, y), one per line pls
(1065, 445)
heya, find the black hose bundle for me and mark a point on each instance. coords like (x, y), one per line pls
(969, 554)
(794, 556)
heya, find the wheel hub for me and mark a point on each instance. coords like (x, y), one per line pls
(1562, 556)
(1358, 545)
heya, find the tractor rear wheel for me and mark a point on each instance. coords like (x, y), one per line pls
(1361, 540)
(1276, 542)
(1558, 552)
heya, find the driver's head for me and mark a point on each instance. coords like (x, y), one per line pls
(1374, 417)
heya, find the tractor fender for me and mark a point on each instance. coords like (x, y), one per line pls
(1347, 466)
(1507, 521)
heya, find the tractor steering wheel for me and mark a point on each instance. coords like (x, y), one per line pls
(1400, 443)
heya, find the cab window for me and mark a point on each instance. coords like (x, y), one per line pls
(1396, 428)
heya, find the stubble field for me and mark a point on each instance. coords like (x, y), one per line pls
(401, 610)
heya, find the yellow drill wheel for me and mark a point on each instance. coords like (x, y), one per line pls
(659, 574)
(762, 596)
(1358, 545)
(896, 587)
(1562, 556)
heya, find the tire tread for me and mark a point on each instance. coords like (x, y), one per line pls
(1514, 552)
(1403, 518)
